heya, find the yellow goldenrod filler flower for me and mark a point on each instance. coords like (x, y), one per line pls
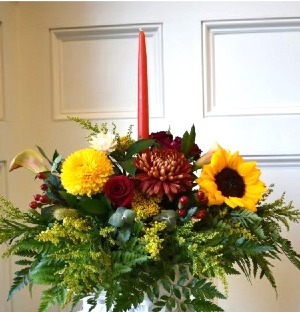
(75, 230)
(85, 172)
(145, 207)
(229, 179)
(106, 233)
(124, 142)
(152, 239)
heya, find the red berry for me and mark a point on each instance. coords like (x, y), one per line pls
(41, 175)
(183, 200)
(33, 204)
(182, 213)
(200, 195)
(44, 187)
(44, 199)
(200, 214)
(204, 201)
(37, 197)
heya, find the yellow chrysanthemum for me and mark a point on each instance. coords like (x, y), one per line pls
(85, 172)
(229, 179)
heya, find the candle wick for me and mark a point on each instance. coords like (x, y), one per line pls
(140, 29)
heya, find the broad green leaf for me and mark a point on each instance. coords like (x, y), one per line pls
(69, 198)
(95, 206)
(128, 166)
(138, 147)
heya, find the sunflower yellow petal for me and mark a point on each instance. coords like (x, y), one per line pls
(243, 187)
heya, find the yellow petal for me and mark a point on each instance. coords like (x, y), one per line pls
(29, 159)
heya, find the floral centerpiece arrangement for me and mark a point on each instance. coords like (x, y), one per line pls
(149, 217)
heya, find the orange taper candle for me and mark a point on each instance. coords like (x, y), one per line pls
(143, 110)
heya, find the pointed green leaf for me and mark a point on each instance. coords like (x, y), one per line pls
(188, 141)
(138, 147)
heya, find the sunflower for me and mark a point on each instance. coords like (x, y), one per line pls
(85, 172)
(229, 179)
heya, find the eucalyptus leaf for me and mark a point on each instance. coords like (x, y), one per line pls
(169, 217)
(116, 220)
(129, 216)
(123, 235)
(189, 215)
(56, 163)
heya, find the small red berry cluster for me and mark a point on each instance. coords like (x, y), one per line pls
(200, 213)
(40, 199)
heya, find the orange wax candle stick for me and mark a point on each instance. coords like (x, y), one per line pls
(143, 110)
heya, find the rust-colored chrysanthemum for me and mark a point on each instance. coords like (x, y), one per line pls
(164, 171)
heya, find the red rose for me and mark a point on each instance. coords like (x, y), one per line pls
(119, 189)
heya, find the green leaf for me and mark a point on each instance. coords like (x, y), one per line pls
(128, 166)
(138, 147)
(95, 206)
(157, 309)
(43, 154)
(69, 198)
(20, 281)
(166, 284)
(51, 296)
(188, 141)
(171, 304)
(177, 292)
(43, 273)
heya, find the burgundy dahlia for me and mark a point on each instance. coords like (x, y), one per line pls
(163, 171)
(166, 141)
(163, 138)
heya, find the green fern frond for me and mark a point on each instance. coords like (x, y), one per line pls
(245, 217)
(20, 281)
(52, 296)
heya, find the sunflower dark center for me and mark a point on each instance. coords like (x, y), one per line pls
(230, 183)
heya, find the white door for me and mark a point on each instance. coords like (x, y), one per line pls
(231, 68)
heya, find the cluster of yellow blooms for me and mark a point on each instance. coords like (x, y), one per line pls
(152, 239)
(72, 229)
(124, 142)
(145, 207)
